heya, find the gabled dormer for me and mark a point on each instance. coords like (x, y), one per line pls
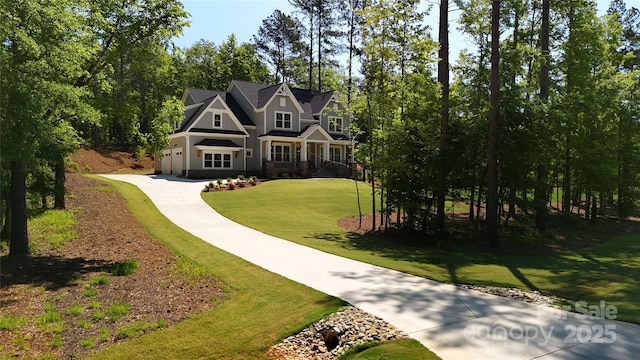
(211, 115)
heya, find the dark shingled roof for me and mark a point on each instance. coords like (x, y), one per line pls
(200, 95)
(250, 90)
(217, 131)
(311, 101)
(282, 133)
(219, 143)
(264, 95)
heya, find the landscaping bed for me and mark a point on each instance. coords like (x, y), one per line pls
(70, 302)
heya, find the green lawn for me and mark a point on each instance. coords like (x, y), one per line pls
(307, 212)
(260, 309)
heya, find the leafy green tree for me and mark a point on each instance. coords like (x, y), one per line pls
(200, 65)
(41, 52)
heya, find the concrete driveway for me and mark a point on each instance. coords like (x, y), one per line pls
(454, 323)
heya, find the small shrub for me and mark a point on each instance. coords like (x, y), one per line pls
(89, 292)
(229, 181)
(88, 343)
(101, 279)
(117, 311)
(240, 177)
(253, 178)
(160, 324)
(219, 181)
(51, 315)
(136, 329)
(97, 316)
(285, 175)
(83, 324)
(124, 268)
(87, 169)
(94, 304)
(103, 334)
(56, 341)
(74, 310)
(8, 322)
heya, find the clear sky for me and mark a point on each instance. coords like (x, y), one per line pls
(215, 20)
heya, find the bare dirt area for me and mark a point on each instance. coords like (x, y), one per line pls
(69, 303)
(111, 160)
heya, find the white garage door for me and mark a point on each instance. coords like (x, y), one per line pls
(176, 161)
(166, 162)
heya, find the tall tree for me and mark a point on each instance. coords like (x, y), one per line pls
(277, 42)
(494, 113)
(443, 78)
(541, 171)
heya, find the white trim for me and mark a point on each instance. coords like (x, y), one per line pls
(226, 110)
(284, 91)
(213, 125)
(283, 145)
(235, 136)
(336, 147)
(217, 148)
(188, 165)
(341, 124)
(275, 120)
(213, 160)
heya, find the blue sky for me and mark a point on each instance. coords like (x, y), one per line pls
(215, 20)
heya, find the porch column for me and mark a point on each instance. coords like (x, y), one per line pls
(268, 150)
(326, 151)
(303, 151)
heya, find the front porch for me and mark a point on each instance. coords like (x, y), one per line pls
(306, 158)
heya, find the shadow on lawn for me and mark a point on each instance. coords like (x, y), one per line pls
(578, 275)
(51, 272)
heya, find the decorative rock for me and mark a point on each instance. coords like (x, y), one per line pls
(330, 337)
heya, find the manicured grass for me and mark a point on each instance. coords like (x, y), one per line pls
(307, 212)
(394, 350)
(260, 307)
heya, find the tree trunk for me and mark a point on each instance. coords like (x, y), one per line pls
(471, 198)
(59, 189)
(6, 229)
(566, 180)
(19, 244)
(494, 113)
(320, 9)
(443, 78)
(594, 208)
(541, 172)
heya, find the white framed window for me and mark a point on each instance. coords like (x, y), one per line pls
(217, 120)
(335, 154)
(249, 152)
(283, 120)
(283, 102)
(335, 124)
(217, 161)
(281, 153)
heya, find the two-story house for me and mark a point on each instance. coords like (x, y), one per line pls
(258, 129)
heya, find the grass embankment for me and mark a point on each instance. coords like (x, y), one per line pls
(307, 212)
(261, 308)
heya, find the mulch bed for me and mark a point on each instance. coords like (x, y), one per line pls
(107, 233)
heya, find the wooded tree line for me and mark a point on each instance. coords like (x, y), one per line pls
(559, 83)
(544, 105)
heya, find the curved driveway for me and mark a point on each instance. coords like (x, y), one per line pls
(452, 322)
